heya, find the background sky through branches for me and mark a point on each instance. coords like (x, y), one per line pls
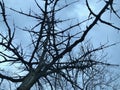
(99, 35)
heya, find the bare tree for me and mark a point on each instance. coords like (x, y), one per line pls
(99, 76)
(47, 60)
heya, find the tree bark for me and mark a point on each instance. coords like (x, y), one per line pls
(32, 78)
(28, 82)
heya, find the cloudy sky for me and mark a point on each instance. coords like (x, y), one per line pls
(99, 35)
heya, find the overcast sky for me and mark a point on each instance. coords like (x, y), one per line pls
(99, 35)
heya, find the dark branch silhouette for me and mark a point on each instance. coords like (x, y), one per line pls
(50, 61)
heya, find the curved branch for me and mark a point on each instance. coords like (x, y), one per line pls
(10, 78)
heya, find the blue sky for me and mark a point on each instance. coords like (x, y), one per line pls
(100, 34)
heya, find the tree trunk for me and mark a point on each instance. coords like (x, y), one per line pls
(32, 78)
(28, 82)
